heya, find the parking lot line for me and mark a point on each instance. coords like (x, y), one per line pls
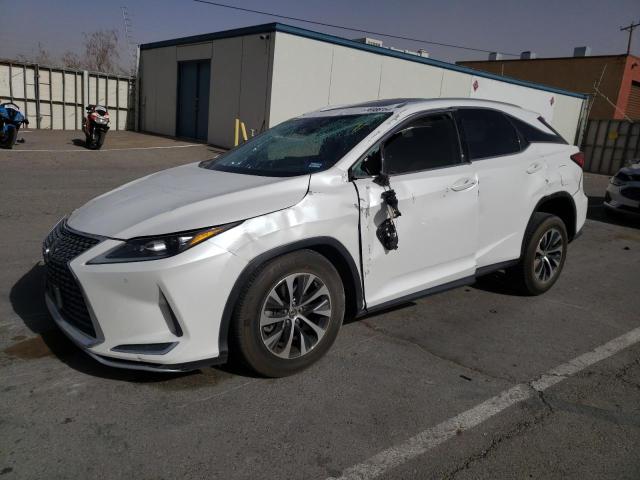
(434, 436)
(112, 149)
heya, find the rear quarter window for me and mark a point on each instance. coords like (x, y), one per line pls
(532, 134)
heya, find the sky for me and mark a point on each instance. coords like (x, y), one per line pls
(549, 28)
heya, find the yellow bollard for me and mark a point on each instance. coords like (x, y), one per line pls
(240, 126)
(244, 131)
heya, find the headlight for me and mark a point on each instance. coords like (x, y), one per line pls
(163, 246)
(102, 120)
(620, 179)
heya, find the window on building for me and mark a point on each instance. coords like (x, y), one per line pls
(633, 104)
(426, 143)
(487, 133)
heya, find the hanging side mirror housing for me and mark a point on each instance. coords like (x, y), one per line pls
(382, 179)
(388, 235)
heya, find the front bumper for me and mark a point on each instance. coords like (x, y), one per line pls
(175, 303)
(617, 198)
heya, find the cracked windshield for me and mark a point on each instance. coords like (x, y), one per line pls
(299, 146)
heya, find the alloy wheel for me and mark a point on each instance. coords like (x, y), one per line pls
(295, 315)
(548, 256)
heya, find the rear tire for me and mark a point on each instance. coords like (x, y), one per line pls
(278, 333)
(543, 255)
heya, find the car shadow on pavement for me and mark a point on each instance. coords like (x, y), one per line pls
(27, 300)
(598, 212)
(497, 282)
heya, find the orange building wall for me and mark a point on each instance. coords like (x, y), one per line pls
(577, 74)
(631, 74)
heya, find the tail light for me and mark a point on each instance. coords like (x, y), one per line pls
(578, 158)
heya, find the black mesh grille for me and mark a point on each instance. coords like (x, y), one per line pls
(632, 193)
(59, 248)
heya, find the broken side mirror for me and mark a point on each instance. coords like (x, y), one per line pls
(388, 235)
(389, 197)
(386, 231)
(381, 179)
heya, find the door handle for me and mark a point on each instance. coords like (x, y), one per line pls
(464, 184)
(534, 167)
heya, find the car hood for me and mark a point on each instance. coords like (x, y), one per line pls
(185, 198)
(632, 169)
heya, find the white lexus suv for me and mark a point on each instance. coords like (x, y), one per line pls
(262, 251)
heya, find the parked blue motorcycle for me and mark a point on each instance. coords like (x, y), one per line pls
(11, 119)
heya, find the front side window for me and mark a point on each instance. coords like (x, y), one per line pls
(299, 146)
(487, 133)
(426, 143)
(369, 165)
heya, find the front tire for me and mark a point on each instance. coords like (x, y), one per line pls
(289, 314)
(544, 254)
(88, 141)
(99, 140)
(12, 135)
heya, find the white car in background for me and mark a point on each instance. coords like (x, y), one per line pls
(623, 192)
(343, 211)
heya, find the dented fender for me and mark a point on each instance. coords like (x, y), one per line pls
(329, 209)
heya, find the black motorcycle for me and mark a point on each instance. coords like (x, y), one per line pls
(95, 126)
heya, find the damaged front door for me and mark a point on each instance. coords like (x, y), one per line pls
(437, 197)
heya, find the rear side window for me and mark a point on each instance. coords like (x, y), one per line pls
(532, 134)
(487, 133)
(426, 143)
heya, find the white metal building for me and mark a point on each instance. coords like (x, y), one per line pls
(197, 86)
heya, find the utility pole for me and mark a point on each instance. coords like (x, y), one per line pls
(128, 32)
(630, 29)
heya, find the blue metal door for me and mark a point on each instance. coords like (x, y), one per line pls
(193, 99)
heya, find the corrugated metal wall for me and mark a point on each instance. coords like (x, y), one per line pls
(610, 144)
(54, 98)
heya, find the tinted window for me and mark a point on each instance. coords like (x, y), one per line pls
(299, 146)
(428, 142)
(487, 133)
(532, 134)
(369, 165)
